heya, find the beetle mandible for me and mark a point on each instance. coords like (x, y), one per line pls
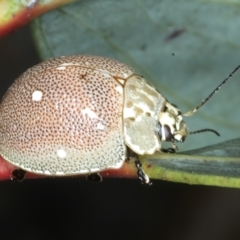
(78, 114)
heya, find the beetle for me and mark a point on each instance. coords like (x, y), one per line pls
(79, 115)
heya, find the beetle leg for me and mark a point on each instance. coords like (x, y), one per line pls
(18, 175)
(94, 177)
(141, 174)
(168, 150)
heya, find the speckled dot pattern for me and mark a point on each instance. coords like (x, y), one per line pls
(64, 116)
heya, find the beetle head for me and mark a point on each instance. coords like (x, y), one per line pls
(172, 127)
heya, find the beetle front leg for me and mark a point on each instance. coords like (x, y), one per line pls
(141, 174)
(168, 150)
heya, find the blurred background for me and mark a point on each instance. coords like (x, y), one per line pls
(73, 208)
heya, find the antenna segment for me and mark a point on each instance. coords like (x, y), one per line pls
(190, 113)
(205, 130)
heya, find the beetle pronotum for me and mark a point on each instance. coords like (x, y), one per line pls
(78, 114)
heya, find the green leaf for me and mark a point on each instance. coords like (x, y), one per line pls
(217, 165)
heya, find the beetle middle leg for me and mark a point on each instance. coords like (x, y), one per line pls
(94, 177)
(141, 174)
(18, 175)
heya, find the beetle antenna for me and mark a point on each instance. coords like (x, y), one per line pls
(205, 130)
(190, 113)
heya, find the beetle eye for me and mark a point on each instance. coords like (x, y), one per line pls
(167, 133)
